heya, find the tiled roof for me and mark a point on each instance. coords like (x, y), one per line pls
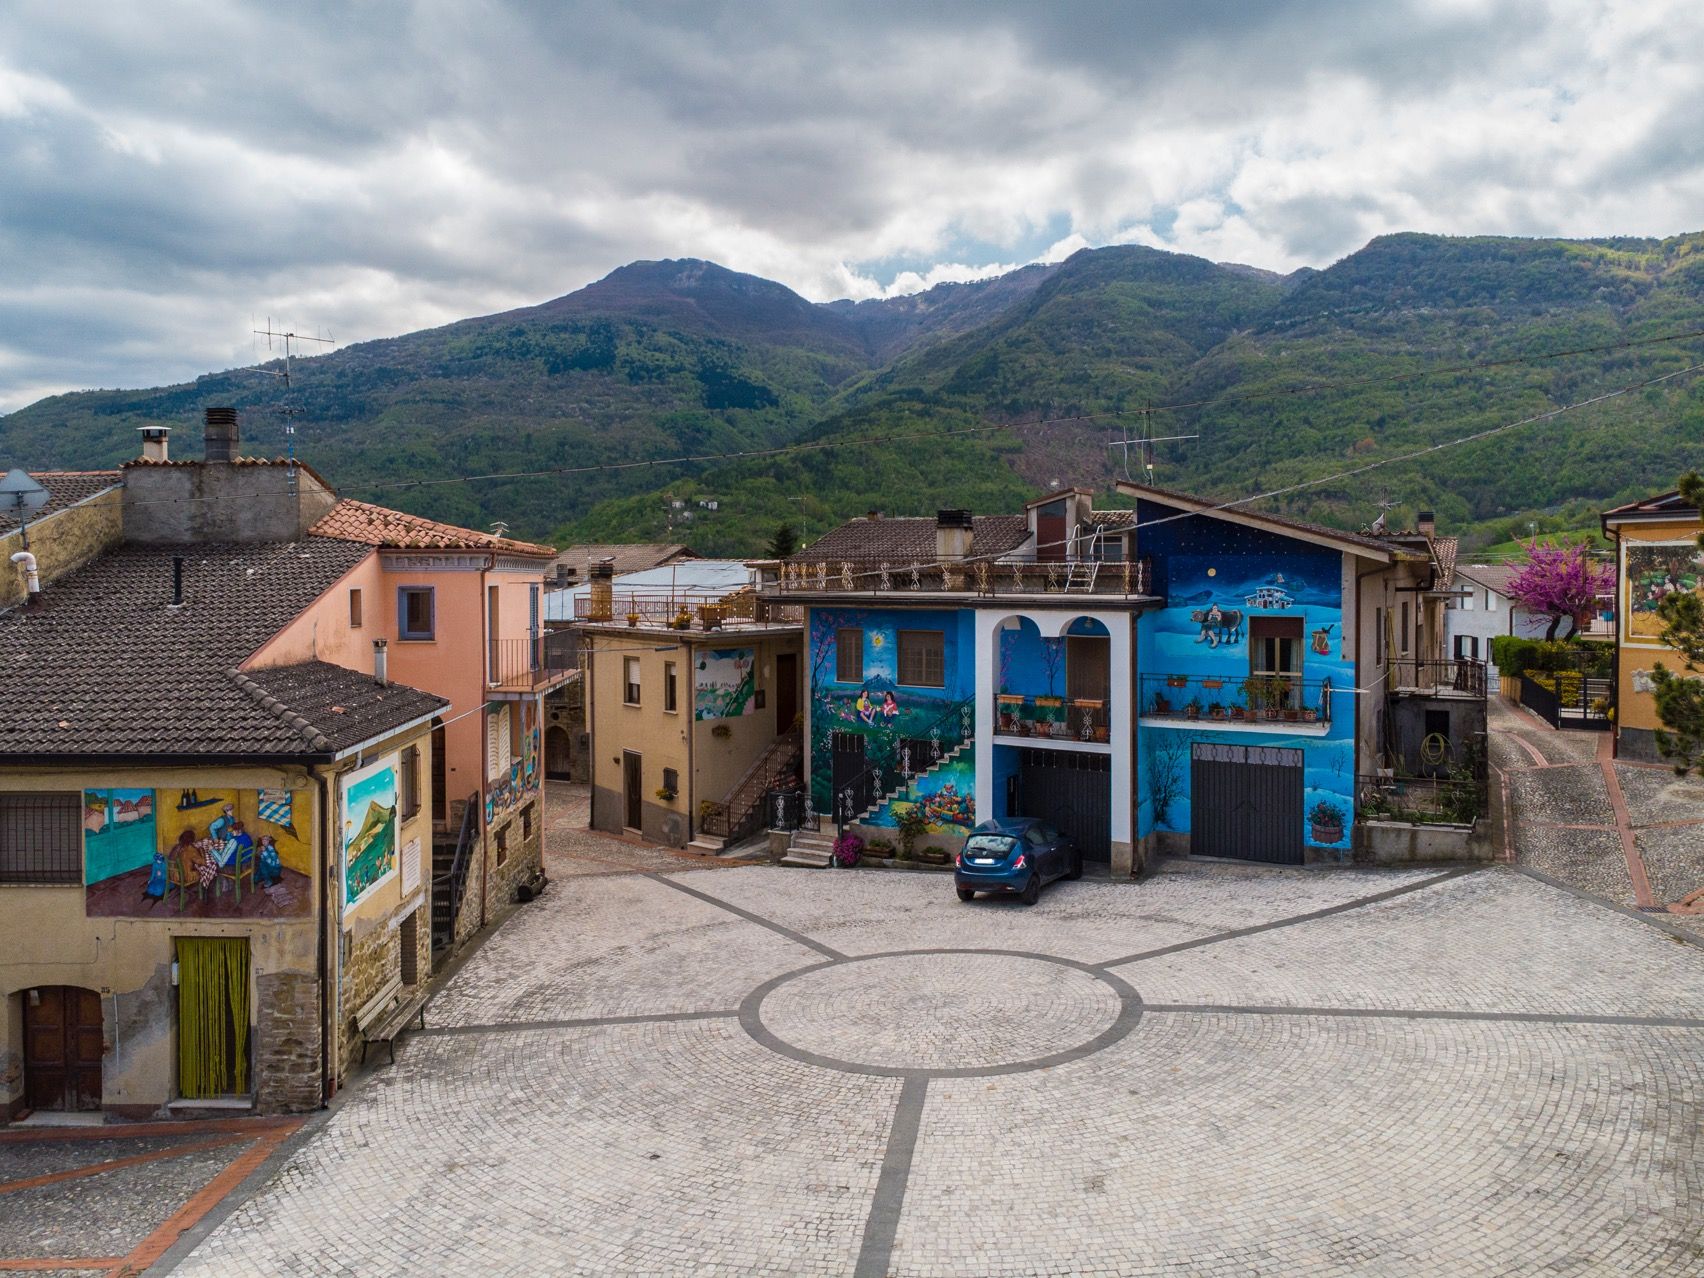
(902, 540)
(1444, 551)
(1670, 503)
(103, 664)
(344, 707)
(65, 488)
(632, 557)
(379, 526)
(1492, 576)
(1111, 518)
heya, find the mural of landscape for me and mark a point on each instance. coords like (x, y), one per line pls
(884, 714)
(1656, 569)
(197, 852)
(723, 683)
(369, 829)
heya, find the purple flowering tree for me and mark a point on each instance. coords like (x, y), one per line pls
(1562, 583)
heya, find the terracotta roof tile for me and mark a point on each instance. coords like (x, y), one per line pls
(380, 526)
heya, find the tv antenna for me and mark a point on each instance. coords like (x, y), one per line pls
(1144, 444)
(1380, 525)
(289, 410)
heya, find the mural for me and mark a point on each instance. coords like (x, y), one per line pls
(369, 829)
(195, 852)
(946, 796)
(723, 683)
(508, 793)
(1653, 570)
(1218, 581)
(889, 721)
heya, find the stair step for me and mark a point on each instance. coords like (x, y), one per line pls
(709, 846)
(807, 860)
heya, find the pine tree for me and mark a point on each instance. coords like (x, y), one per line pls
(1680, 697)
(783, 542)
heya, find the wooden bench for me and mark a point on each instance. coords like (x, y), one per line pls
(386, 1015)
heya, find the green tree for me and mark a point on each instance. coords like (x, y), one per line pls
(783, 542)
(1680, 697)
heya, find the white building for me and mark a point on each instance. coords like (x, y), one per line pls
(1486, 610)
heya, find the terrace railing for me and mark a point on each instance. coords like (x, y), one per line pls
(1232, 699)
(975, 577)
(533, 662)
(1059, 718)
(1459, 677)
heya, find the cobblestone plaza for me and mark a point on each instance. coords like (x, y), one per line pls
(1217, 1071)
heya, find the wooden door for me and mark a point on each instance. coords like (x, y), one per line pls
(440, 778)
(632, 767)
(786, 692)
(1088, 667)
(62, 1048)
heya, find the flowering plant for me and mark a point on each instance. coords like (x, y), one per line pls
(848, 848)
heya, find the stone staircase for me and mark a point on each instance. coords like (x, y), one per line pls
(810, 849)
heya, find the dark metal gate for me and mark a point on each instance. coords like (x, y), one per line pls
(1072, 792)
(1246, 802)
(854, 787)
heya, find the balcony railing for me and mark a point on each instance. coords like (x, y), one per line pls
(526, 664)
(1059, 718)
(1236, 699)
(1462, 677)
(685, 610)
(976, 577)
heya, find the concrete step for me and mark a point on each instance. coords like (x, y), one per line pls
(709, 847)
(807, 860)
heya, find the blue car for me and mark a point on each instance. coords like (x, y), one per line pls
(1015, 856)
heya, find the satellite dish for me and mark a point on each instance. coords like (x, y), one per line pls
(21, 493)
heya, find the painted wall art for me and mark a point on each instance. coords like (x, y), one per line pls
(368, 838)
(197, 852)
(724, 681)
(1651, 571)
(876, 722)
(508, 792)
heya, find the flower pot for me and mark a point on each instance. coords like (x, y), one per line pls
(1326, 833)
(1310, 716)
(1217, 712)
(1177, 681)
(1100, 732)
(1212, 683)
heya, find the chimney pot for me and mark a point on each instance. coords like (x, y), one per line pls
(952, 535)
(381, 663)
(220, 437)
(156, 443)
(1426, 523)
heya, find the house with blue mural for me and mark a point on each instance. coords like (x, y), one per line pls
(1176, 676)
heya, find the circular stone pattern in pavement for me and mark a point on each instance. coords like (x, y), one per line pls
(942, 1012)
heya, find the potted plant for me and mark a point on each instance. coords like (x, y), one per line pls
(1100, 732)
(665, 794)
(878, 850)
(1177, 681)
(1215, 711)
(1159, 705)
(1193, 709)
(1010, 704)
(1213, 683)
(1254, 694)
(1326, 822)
(933, 855)
(1309, 714)
(848, 850)
(912, 826)
(632, 619)
(682, 619)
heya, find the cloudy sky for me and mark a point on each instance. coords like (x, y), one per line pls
(171, 171)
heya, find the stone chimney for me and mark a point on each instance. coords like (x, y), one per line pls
(220, 438)
(601, 605)
(1426, 523)
(381, 662)
(156, 443)
(952, 535)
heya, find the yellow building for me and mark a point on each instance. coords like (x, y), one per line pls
(1656, 553)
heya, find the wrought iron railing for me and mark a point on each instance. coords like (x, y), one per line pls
(1059, 718)
(741, 813)
(531, 662)
(906, 759)
(971, 576)
(454, 879)
(1235, 699)
(1460, 799)
(1461, 676)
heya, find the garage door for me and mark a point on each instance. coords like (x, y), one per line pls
(1071, 792)
(1246, 802)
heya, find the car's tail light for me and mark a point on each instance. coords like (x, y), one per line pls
(958, 861)
(1019, 863)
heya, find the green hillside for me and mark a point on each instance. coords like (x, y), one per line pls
(662, 359)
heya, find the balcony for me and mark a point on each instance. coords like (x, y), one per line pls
(1062, 719)
(536, 664)
(1251, 703)
(1088, 577)
(1461, 677)
(686, 609)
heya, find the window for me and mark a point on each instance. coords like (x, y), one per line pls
(671, 695)
(630, 681)
(41, 837)
(1470, 600)
(517, 731)
(410, 781)
(354, 609)
(1467, 646)
(494, 651)
(497, 746)
(922, 658)
(527, 820)
(849, 656)
(1275, 652)
(671, 780)
(408, 936)
(416, 610)
(1378, 637)
(1402, 636)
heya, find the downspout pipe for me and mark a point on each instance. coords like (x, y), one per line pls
(328, 1076)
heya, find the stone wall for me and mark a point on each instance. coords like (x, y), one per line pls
(525, 855)
(62, 542)
(285, 1051)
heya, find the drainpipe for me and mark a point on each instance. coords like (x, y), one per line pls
(1355, 752)
(32, 579)
(328, 1079)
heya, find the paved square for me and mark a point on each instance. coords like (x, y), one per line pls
(1217, 1071)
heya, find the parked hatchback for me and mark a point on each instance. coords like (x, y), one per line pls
(1015, 856)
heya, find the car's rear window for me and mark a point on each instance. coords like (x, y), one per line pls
(997, 844)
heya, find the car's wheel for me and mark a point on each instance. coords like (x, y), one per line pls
(1032, 890)
(1076, 868)
(966, 894)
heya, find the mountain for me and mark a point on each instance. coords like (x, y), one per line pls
(1292, 378)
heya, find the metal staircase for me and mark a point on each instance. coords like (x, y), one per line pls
(741, 814)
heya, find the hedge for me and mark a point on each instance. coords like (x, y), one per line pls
(1514, 656)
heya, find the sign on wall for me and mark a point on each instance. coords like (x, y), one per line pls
(724, 681)
(196, 852)
(368, 839)
(410, 866)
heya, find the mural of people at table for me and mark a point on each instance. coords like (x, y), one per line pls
(192, 852)
(1654, 571)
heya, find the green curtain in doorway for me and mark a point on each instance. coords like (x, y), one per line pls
(213, 1016)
